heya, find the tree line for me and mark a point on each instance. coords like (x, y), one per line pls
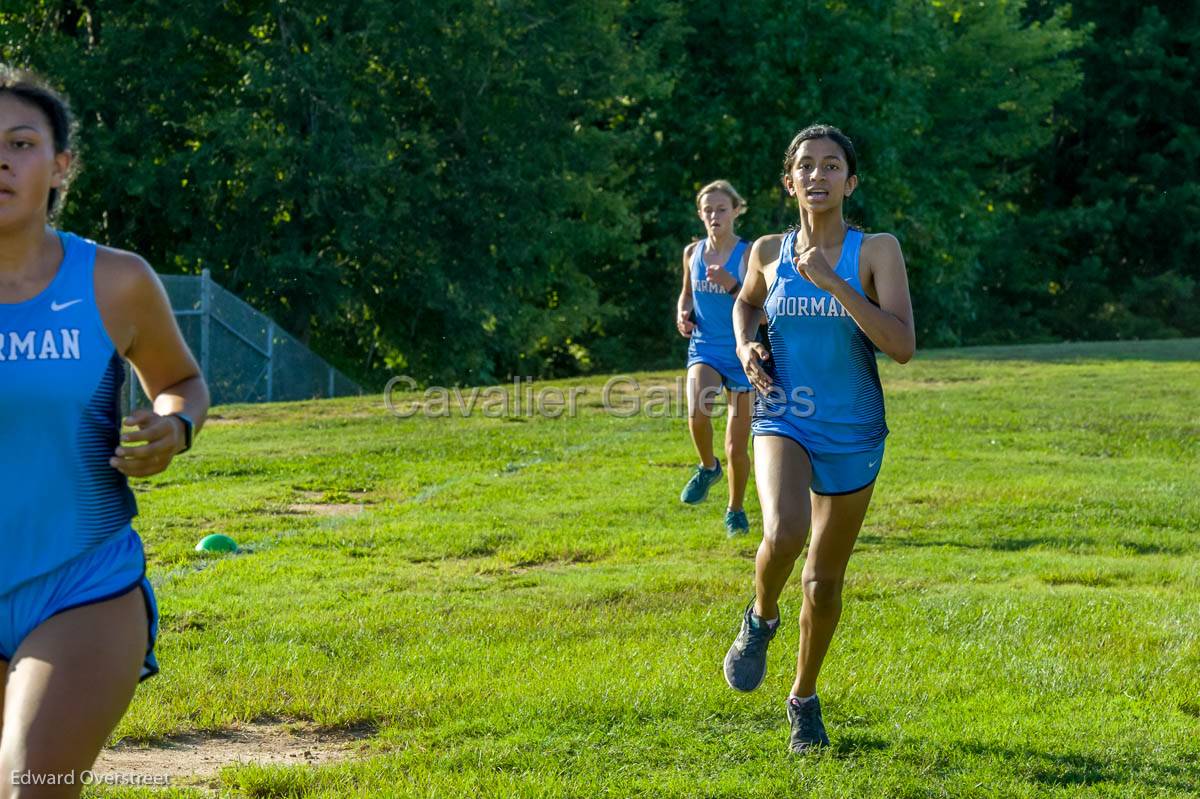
(468, 190)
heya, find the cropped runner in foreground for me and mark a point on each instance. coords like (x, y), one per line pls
(832, 294)
(77, 616)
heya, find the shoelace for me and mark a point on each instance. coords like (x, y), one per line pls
(700, 475)
(755, 640)
(806, 718)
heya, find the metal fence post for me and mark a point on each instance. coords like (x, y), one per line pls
(224, 342)
(270, 360)
(205, 324)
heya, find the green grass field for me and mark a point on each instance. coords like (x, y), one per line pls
(526, 609)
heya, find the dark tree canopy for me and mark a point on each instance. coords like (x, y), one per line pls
(466, 190)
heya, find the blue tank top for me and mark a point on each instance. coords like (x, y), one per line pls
(60, 384)
(821, 361)
(712, 305)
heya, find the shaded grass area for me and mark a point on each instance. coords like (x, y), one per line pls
(524, 608)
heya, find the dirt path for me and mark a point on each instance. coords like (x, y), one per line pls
(182, 758)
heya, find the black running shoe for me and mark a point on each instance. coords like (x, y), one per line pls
(808, 730)
(746, 660)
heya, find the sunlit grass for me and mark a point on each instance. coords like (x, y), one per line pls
(524, 608)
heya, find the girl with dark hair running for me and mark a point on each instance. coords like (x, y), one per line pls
(831, 294)
(78, 618)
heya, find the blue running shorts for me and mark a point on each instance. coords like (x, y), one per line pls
(834, 472)
(109, 571)
(733, 377)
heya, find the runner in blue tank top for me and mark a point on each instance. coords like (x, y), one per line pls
(713, 271)
(831, 295)
(77, 616)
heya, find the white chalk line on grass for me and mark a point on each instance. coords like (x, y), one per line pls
(507, 470)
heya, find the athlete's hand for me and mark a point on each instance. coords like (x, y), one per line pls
(752, 356)
(163, 436)
(717, 274)
(683, 324)
(814, 266)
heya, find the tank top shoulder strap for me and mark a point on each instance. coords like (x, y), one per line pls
(79, 268)
(787, 250)
(736, 265)
(697, 262)
(79, 283)
(781, 269)
(852, 248)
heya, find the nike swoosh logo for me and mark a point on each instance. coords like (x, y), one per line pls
(871, 465)
(54, 306)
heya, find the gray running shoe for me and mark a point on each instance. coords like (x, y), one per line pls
(808, 730)
(736, 523)
(746, 660)
(697, 488)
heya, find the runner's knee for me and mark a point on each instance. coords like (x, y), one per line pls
(822, 593)
(784, 534)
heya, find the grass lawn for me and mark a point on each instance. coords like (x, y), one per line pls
(525, 608)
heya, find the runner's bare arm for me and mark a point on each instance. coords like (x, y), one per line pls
(683, 310)
(747, 311)
(890, 324)
(138, 316)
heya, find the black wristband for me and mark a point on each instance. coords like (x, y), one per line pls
(736, 288)
(189, 431)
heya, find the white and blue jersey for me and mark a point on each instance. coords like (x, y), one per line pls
(825, 391)
(64, 504)
(713, 341)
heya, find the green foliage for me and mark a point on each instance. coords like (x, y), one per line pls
(466, 190)
(1111, 235)
(946, 102)
(408, 187)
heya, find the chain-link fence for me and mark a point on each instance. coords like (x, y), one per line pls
(244, 356)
